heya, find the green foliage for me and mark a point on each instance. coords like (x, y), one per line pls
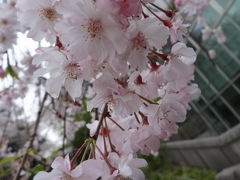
(4, 165)
(156, 99)
(53, 155)
(171, 5)
(181, 173)
(86, 116)
(82, 134)
(32, 152)
(11, 72)
(8, 160)
(4, 171)
(80, 137)
(36, 169)
(160, 168)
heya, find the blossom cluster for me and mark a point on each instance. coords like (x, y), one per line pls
(139, 68)
(193, 9)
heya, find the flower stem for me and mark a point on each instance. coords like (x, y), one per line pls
(104, 114)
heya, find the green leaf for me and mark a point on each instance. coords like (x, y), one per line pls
(32, 152)
(156, 99)
(4, 171)
(11, 72)
(53, 155)
(36, 169)
(8, 160)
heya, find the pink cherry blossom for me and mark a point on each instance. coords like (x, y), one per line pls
(178, 3)
(127, 166)
(144, 35)
(212, 53)
(62, 72)
(92, 30)
(219, 35)
(40, 17)
(178, 29)
(128, 8)
(128, 64)
(181, 52)
(118, 97)
(206, 32)
(62, 170)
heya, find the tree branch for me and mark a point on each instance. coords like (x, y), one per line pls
(17, 177)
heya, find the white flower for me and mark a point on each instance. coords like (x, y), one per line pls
(7, 39)
(206, 32)
(178, 29)
(62, 72)
(128, 166)
(40, 17)
(144, 35)
(62, 170)
(221, 38)
(91, 31)
(185, 54)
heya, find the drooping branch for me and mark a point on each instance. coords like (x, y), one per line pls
(64, 130)
(37, 122)
(104, 114)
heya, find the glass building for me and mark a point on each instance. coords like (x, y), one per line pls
(218, 108)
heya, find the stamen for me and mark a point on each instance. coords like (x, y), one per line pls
(93, 28)
(139, 41)
(49, 13)
(5, 22)
(73, 71)
(3, 38)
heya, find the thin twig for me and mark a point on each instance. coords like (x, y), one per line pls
(145, 99)
(136, 117)
(116, 123)
(104, 114)
(78, 152)
(64, 131)
(17, 177)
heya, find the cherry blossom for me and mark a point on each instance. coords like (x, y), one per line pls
(62, 170)
(62, 72)
(128, 8)
(178, 29)
(128, 166)
(8, 27)
(130, 64)
(92, 31)
(212, 53)
(143, 35)
(182, 52)
(219, 35)
(40, 17)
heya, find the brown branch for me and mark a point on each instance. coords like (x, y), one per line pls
(17, 177)
(64, 130)
(116, 123)
(104, 114)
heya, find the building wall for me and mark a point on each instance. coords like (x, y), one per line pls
(218, 152)
(218, 108)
